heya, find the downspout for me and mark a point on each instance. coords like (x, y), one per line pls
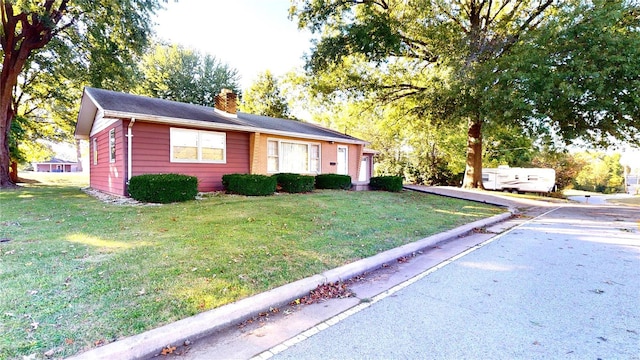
(129, 155)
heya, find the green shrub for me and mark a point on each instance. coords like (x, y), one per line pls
(295, 183)
(387, 183)
(333, 181)
(163, 188)
(249, 184)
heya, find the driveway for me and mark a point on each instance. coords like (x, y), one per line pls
(562, 285)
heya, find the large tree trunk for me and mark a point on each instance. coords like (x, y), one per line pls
(473, 172)
(6, 117)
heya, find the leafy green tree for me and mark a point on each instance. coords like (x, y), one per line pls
(264, 98)
(508, 145)
(577, 77)
(87, 41)
(601, 172)
(453, 58)
(46, 108)
(566, 165)
(173, 72)
(408, 144)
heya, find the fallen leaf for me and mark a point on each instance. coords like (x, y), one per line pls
(68, 341)
(168, 350)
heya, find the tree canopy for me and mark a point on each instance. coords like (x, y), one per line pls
(71, 42)
(530, 65)
(175, 73)
(264, 98)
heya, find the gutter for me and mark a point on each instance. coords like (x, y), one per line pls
(129, 152)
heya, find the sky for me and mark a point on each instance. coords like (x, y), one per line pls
(249, 35)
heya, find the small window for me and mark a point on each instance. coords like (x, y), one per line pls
(485, 177)
(532, 177)
(112, 145)
(198, 146)
(272, 156)
(95, 151)
(315, 159)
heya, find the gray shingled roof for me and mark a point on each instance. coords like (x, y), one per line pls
(136, 104)
(293, 126)
(142, 105)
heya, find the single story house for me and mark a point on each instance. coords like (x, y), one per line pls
(132, 135)
(55, 165)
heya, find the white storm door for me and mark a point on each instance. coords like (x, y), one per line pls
(343, 160)
(364, 169)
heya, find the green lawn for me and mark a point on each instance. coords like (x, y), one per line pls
(630, 201)
(76, 272)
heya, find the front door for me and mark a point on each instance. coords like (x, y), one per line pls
(343, 160)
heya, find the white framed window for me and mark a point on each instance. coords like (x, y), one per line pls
(112, 145)
(95, 151)
(198, 146)
(293, 156)
(272, 156)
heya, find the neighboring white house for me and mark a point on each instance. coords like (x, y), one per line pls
(56, 165)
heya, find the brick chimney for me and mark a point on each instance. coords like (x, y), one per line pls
(226, 101)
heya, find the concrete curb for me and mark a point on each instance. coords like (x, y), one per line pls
(150, 343)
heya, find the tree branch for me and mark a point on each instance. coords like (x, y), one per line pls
(454, 19)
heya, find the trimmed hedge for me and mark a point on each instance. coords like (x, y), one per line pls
(295, 183)
(333, 181)
(387, 183)
(163, 188)
(249, 184)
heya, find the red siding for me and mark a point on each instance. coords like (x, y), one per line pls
(151, 155)
(109, 176)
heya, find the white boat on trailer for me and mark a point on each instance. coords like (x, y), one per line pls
(505, 178)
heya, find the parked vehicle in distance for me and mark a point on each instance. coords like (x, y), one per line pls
(505, 178)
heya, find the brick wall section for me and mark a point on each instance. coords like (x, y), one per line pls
(258, 154)
(329, 154)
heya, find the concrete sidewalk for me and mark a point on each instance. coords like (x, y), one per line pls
(487, 197)
(192, 329)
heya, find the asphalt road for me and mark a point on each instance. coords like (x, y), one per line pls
(563, 285)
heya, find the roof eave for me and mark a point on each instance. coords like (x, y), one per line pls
(86, 115)
(218, 126)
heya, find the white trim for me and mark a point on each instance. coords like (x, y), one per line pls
(101, 123)
(198, 146)
(129, 148)
(307, 143)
